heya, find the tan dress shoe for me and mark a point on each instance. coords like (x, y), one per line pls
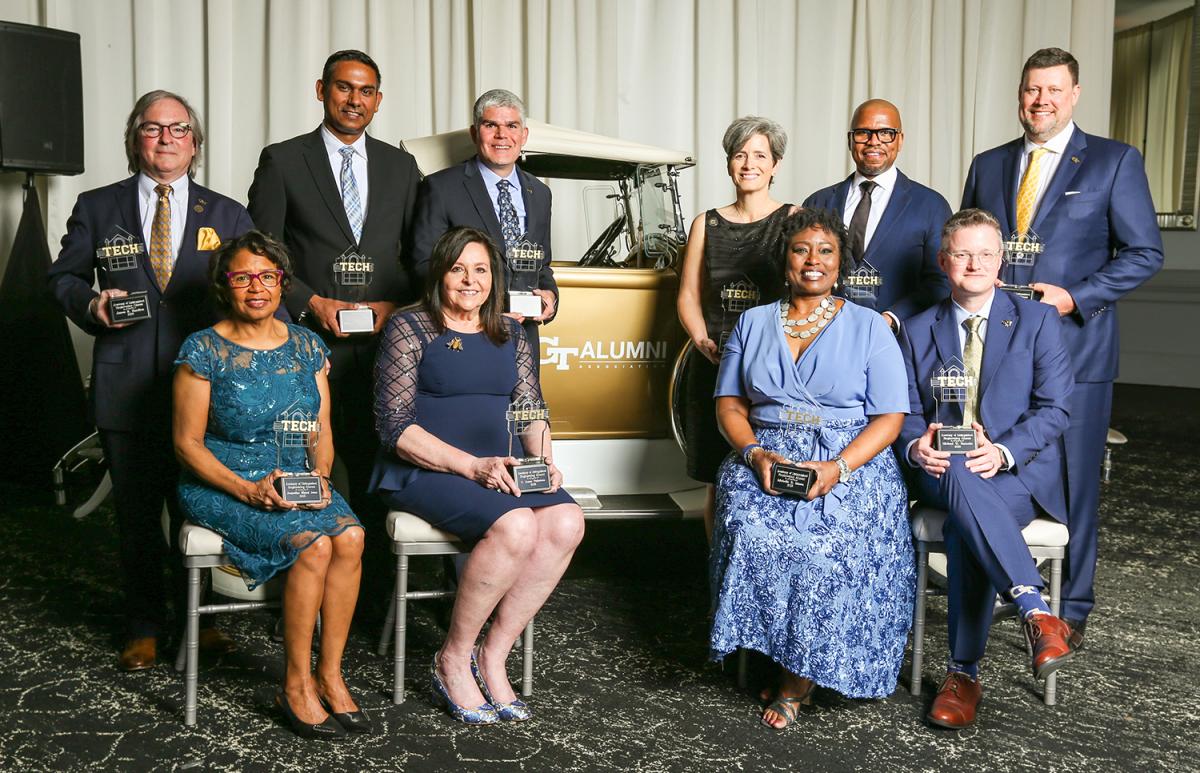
(956, 702)
(1048, 639)
(216, 641)
(139, 654)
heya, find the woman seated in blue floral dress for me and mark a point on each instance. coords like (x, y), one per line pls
(235, 383)
(822, 584)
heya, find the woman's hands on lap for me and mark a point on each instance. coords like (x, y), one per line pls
(492, 472)
(827, 477)
(261, 493)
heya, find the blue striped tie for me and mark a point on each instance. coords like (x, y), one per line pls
(350, 198)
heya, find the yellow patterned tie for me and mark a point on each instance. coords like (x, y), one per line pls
(1027, 193)
(973, 360)
(160, 238)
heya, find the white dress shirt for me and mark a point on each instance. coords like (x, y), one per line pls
(358, 164)
(1057, 145)
(148, 206)
(881, 194)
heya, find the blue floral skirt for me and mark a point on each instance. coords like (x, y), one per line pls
(825, 589)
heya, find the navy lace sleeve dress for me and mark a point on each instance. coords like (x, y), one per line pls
(457, 387)
(249, 390)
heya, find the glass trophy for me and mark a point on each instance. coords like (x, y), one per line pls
(863, 283)
(951, 384)
(294, 429)
(528, 420)
(524, 263)
(736, 297)
(791, 479)
(1020, 256)
(352, 274)
(120, 250)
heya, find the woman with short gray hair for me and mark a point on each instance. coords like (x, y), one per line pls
(726, 270)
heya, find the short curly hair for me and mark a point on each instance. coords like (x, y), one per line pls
(256, 242)
(812, 217)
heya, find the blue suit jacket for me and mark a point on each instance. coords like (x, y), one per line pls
(1025, 380)
(905, 244)
(132, 367)
(1101, 237)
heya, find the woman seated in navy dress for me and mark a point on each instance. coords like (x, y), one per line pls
(444, 379)
(822, 584)
(233, 382)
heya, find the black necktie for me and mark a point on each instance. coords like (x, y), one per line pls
(858, 223)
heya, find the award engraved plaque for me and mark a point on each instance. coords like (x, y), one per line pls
(133, 307)
(1020, 256)
(295, 428)
(792, 479)
(736, 297)
(950, 384)
(352, 275)
(863, 283)
(358, 320)
(120, 251)
(527, 416)
(524, 263)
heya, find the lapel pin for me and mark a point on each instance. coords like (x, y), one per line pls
(712, 222)
(454, 344)
(1074, 159)
(1006, 322)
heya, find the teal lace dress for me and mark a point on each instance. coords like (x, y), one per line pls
(250, 389)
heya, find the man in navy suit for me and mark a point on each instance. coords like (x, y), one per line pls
(491, 193)
(1087, 200)
(333, 191)
(1012, 351)
(151, 233)
(894, 223)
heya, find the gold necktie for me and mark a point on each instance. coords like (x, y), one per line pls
(1027, 193)
(972, 359)
(160, 238)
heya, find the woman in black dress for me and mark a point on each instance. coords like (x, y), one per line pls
(445, 377)
(726, 270)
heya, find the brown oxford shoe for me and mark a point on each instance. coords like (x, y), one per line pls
(139, 654)
(216, 642)
(1047, 637)
(1075, 640)
(956, 702)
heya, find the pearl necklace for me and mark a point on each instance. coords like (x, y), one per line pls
(820, 316)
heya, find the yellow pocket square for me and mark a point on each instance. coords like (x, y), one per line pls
(207, 239)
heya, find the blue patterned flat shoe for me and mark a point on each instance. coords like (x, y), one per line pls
(480, 715)
(517, 711)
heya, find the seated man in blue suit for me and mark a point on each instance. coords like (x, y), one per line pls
(1012, 350)
(894, 223)
(1087, 199)
(153, 234)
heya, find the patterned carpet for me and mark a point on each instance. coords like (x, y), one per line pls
(621, 681)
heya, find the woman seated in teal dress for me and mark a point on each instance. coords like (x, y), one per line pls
(822, 584)
(247, 393)
(445, 379)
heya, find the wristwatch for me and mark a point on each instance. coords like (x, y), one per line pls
(844, 471)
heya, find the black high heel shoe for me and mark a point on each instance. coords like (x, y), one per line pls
(352, 721)
(329, 729)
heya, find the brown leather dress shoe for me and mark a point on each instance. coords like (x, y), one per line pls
(1047, 637)
(1077, 629)
(216, 641)
(139, 654)
(956, 702)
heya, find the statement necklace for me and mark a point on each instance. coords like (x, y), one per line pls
(819, 318)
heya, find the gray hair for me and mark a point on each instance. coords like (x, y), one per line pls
(968, 218)
(496, 98)
(741, 130)
(135, 120)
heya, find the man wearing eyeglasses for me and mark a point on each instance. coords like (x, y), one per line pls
(894, 224)
(1087, 200)
(145, 242)
(1018, 382)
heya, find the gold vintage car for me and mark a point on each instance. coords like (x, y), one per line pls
(609, 359)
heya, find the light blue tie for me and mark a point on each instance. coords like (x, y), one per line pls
(510, 228)
(350, 198)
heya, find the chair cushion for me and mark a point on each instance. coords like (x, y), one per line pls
(406, 527)
(198, 541)
(1041, 532)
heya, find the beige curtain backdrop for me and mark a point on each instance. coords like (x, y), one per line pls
(665, 72)
(1150, 90)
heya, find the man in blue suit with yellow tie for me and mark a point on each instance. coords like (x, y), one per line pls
(1019, 383)
(1087, 200)
(894, 223)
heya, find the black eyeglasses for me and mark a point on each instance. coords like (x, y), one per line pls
(863, 136)
(155, 130)
(269, 278)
